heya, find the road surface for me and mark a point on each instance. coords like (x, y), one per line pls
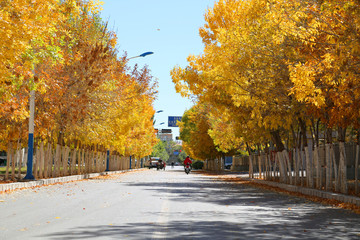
(150, 204)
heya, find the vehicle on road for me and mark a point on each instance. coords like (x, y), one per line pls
(187, 168)
(160, 165)
(153, 162)
(228, 165)
(228, 162)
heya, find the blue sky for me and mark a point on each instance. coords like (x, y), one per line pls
(170, 29)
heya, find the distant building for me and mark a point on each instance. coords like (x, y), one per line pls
(165, 136)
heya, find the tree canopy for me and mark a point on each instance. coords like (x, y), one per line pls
(85, 92)
(270, 66)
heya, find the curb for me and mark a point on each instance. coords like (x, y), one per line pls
(29, 184)
(310, 191)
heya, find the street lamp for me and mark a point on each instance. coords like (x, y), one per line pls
(29, 165)
(142, 55)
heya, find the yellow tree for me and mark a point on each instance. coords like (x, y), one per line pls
(245, 61)
(26, 30)
(245, 65)
(194, 127)
(326, 77)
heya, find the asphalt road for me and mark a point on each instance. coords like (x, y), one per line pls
(169, 204)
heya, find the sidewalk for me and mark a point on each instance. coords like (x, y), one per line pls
(306, 191)
(29, 184)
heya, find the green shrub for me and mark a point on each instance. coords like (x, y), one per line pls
(198, 164)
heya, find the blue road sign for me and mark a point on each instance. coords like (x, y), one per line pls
(172, 121)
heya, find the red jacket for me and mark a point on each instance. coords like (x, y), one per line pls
(187, 161)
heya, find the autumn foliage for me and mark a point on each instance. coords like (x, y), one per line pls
(269, 68)
(279, 75)
(85, 94)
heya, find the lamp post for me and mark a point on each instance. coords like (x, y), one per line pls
(29, 165)
(141, 55)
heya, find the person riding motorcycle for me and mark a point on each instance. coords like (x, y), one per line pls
(187, 161)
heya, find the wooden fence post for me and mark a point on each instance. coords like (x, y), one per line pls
(357, 168)
(41, 160)
(21, 153)
(343, 169)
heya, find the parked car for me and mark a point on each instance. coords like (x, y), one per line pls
(228, 165)
(152, 163)
(228, 162)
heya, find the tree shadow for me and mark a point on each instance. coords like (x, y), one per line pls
(237, 211)
(207, 230)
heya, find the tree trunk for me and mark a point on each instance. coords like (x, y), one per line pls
(317, 167)
(357, 168)
(266, 166)
(21, 153)
(41, 160)
(73, 162)
(309, 174)
(36, 162)
(343, 169)
(302, 173)
(334, 166)
(328, 184)
(296, 165)
(342, 162)
(57, 163)
(287, 161)
(251, 170)
(8, 161)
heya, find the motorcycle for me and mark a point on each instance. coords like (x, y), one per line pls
(187, 168)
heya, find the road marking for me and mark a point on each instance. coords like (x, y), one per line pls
(162, 229)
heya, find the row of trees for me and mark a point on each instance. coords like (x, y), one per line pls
(86, 96)
(284, 72)
(169, 151)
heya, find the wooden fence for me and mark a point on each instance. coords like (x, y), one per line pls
(61, 161)
(333, 167)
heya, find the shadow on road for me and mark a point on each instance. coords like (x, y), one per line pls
(255, 214)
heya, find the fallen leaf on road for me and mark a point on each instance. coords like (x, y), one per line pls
(23, 229)
(289, 208)
(2, 200)
(57, 217)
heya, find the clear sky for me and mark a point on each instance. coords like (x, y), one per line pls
(170, 29)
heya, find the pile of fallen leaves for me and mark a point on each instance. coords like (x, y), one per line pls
(332, 202)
